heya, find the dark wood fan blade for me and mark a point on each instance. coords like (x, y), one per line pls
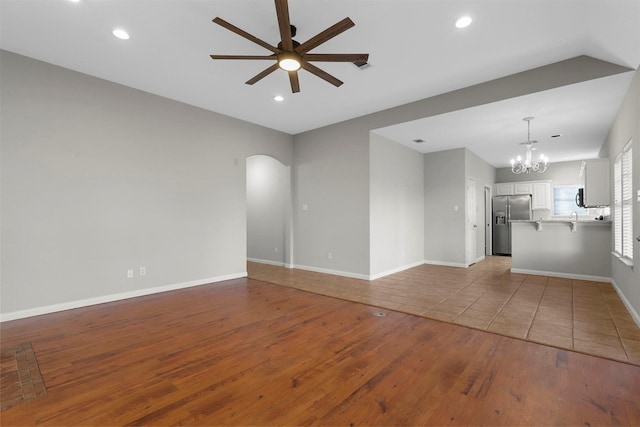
(282, 10)
(244, 34)
(262, 74)
(325, 35)
(295, 83)
(336, 57)
(242, 56)
(321, 73)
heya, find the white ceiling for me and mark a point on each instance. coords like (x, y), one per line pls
(415, 53)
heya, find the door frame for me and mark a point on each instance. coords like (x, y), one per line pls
(488, 215)
(471, 227)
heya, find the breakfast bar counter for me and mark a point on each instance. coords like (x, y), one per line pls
(575, 249)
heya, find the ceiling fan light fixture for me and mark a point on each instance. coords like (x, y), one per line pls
(289, 61)
(121, 34)
(464, 22)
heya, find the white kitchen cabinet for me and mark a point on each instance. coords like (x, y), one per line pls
(505, 189)
(511, 188)
(523, 188)
(541, 195)
(595, 180)
(540, 192)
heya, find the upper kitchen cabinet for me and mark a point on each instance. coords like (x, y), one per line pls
(595, 180)
(541, 196)
(505, 189)
(523, 188)
(540, 192)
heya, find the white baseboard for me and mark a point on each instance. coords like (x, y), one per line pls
(445, 263)
(266, 261)
(37, 311)
(395, 270)
(334, 272)
(563, 275)
(625, 301)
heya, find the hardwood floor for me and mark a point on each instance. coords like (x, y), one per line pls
(573, 314)
(247, 352)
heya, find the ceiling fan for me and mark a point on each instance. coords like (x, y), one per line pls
(292, 56)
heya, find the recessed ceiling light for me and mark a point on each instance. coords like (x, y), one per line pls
(419, 141)
(121, 34)
(463, 22)
(278, 98)
(556, 135)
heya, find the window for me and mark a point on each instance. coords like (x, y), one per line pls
(564, 200)
(623, 204)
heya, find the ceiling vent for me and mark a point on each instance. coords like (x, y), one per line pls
(419, 141)
(362, 65)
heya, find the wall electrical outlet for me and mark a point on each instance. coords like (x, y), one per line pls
(329, 255)
(129, 273)
(143, 271)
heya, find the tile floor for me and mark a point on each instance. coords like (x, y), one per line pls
(579, 315)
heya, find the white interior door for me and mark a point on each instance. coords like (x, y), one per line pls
(471, 221)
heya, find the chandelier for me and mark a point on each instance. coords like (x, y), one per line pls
(527, 165)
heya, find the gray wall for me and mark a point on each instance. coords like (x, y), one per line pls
(625, 127)
(267, 200)
(331, 179)
(331, 172)
(444, 207)
(98, 178)
(484, 174)
(397, 206)
(559, 251)
(560, 173)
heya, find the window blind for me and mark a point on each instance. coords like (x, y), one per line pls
(623, 203)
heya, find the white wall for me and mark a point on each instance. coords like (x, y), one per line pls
(98, 178)
(267, 201)
(625, 127)
(444, 207)
(396, 206)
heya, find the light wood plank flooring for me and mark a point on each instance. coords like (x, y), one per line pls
(246, 352)
(578, 315)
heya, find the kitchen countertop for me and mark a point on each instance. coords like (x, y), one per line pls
(561, 221)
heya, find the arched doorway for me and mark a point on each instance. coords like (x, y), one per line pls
(268, 211)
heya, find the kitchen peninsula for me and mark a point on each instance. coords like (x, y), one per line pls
(561, 248)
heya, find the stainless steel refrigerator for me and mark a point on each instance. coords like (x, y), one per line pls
(505, 209)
